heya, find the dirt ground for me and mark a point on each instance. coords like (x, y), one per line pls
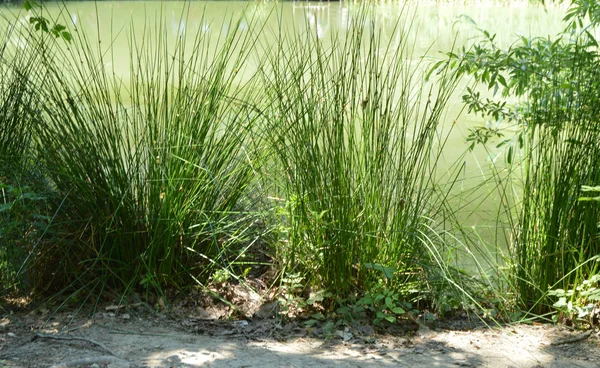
(117, 338)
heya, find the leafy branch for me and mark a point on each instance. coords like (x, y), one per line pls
(41, 23)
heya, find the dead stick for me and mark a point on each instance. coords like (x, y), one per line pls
(571, 340)
(58, 337)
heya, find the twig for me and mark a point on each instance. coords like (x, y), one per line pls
(571, 340)
(72, 338)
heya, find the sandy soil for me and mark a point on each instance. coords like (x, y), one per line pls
(119, 340)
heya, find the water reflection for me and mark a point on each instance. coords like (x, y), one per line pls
(433, 27)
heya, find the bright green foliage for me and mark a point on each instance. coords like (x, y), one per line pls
(582, 304)
(354, 131)
(385, 303)
(556, 129)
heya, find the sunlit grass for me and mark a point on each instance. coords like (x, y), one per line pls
(152, 169)
(161, 174)
(355, 132)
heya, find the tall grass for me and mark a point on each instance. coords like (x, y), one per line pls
(354, 130)
(553, 235)
(152, 168)
(23, 191)
(155, 170)
(556, 234)
(17, 98)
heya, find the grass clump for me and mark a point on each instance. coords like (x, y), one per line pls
(354, 131)
(552, 151)
(156, 172)
(152, 168)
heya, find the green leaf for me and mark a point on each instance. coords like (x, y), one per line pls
(561, 303)
(310, 322)
(434, 68)
(398, 310)
(594, 296)
(502, 81)
(58, 28)
(388, 272)
(66, 36)
(390, 319)
(389, 303)
(387, 317)
(30, 4)
(366, 300)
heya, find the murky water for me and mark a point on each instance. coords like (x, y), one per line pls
(433, 28)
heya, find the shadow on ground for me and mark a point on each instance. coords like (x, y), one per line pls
(119, 344)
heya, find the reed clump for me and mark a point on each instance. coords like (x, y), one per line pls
(551, 152)
(156, 174)
(151, 169)
(354, 130)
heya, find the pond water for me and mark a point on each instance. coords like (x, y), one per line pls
(436, 27)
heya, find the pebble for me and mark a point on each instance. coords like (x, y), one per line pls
(240, 323)
(10, 334)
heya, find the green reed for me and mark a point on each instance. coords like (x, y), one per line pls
(552, 152)
(158, 172)
(153, 166)
(556, 233)
(17, 98)
(354, 130)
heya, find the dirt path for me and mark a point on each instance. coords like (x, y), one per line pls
(117, 342)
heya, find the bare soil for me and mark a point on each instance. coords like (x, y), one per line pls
(119, 337)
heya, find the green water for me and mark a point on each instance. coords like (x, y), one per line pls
(433, 27)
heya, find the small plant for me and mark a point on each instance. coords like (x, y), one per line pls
(384, 304)
(220, 276)
(580, 304)
(43, 24)
(291, 300)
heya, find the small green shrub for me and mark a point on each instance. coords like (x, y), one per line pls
(579, 305)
